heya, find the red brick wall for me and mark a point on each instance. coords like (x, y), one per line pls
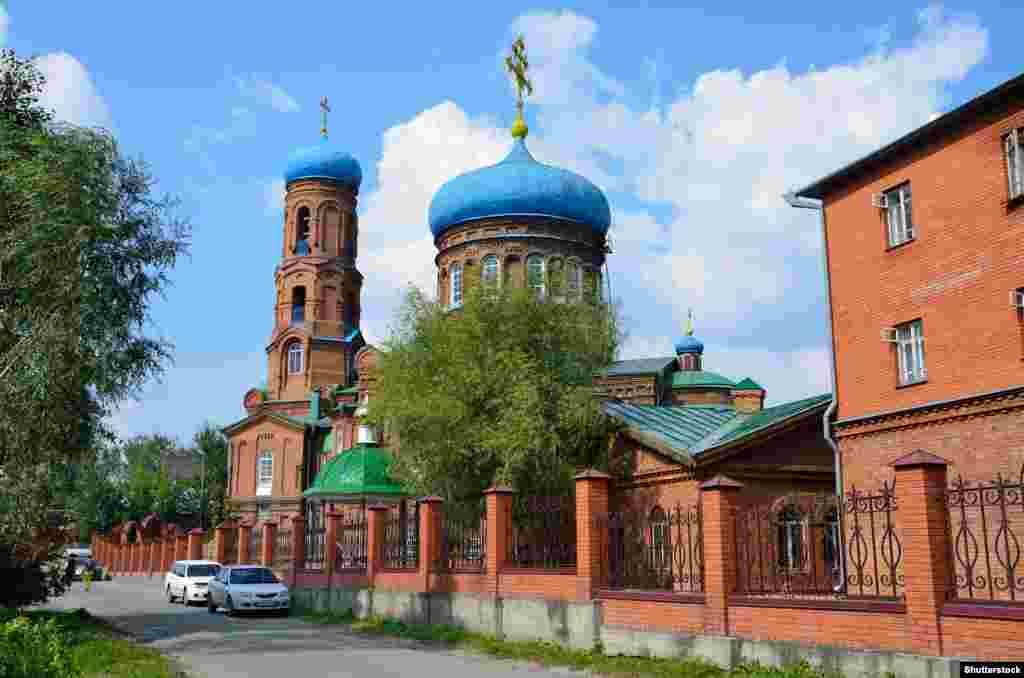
(976, 447)
(646, 615)
(858, 630)
(991, 639)
(956, 276)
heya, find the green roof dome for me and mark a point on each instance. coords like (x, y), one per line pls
(358, 471)
(700, 379)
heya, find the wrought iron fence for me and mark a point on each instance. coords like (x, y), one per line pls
(463, 538)
(542, 532)
(656, 550)
(874, 554)
(256, 543)
(794, 546)
(282, 548)
(350, 548)
(401, 537)
(986, 523)
(230, 545)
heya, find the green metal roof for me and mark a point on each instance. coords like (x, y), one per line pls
(749, 384)
(689, 430)
(752, 423)
(346, 391)
(328, 443)
(699, 379)
(360, 470)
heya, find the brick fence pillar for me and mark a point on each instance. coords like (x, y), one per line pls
(718, 508)
(181, 546)
(376, 515)
(267, 548)
(244, 557)
(195, 544)
(591, 506)
(499, 524)
(298, 544)
(219, 547)
(431, 515)
(921, 518)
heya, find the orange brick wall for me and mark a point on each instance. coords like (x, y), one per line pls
(857, 630)
(661, 617)
(956, 276)
(992, 639)
(976, 447)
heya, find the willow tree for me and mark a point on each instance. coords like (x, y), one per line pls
(84, 247)
(499, 391)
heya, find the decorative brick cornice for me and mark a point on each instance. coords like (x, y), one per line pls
(933, 414)
(919, 458)
(720, 482)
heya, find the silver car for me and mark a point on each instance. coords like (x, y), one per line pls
(248, 588)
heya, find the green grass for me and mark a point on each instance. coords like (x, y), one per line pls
(553, 654)
(97, 650)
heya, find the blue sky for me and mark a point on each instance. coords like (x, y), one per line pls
(693, 120)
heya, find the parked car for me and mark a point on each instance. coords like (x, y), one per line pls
(248, 588)
(82, 558)
(188, 580)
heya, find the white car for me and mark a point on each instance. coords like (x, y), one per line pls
(188, 580)
(248, 588)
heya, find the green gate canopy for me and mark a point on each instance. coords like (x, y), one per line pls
(360, 471)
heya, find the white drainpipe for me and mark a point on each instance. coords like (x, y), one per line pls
(817, 205)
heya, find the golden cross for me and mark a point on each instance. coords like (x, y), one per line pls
(518, 65)
(689, 324)
(324, 110)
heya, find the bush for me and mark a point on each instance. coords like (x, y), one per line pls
(34, 650)
(26, 582)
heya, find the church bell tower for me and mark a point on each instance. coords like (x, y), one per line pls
(316, 314)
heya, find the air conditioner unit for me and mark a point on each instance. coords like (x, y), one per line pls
(879, 200)
(1017, 298)
(889, 335)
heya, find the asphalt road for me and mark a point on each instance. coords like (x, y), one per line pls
(215, 646)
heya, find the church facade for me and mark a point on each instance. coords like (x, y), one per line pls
(301, 447)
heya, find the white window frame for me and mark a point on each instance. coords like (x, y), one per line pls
(296, 365)
(539, 289)
(910, 353)
(264, 473)
(1013, 146)
(792, 546)
(899, 216)
(455, 287)
(490, 282)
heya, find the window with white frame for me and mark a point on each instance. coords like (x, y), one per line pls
(573, 280)
(489, 272)
(455, 298)
(295, 357)
(791, 539)
(898, 215)
(535, 275)
(264, 473)
(910, 352)
(1013, 144)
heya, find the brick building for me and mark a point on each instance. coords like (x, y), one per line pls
(931, 354)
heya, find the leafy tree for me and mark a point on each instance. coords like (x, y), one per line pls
(211, 445)
(497, 392)
(84, 246)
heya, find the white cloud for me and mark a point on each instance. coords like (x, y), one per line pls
(715, 159)
(270, 94)
(70, 92)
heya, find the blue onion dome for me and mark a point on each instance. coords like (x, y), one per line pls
(519, 186)
(323, 161)
(689, 344)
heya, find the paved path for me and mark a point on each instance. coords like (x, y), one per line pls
(215, 646)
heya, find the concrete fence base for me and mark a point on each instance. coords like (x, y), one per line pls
(580, 626)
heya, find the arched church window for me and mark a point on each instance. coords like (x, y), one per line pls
(302, 231)
(264, 474)
(298, 305)
(295, 358)
(455, 298)
(489, 272)
(791, 539)
(573, 280)
(535, 275)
